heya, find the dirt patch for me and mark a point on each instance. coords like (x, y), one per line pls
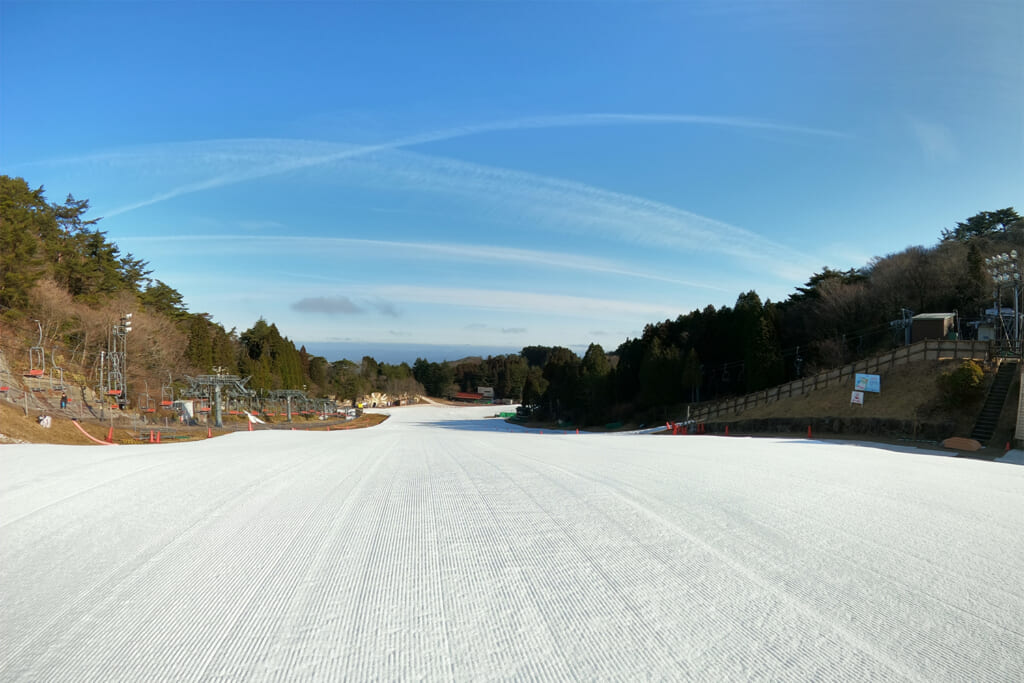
(908, 409)
(909, 394)
(361, 422)
(18, 427)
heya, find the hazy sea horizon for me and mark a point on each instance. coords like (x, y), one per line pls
(396, 353)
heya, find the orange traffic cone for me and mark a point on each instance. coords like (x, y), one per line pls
(158, 437)
(151, 436)
(727, 430)
(209, 432)
(110, 435)
(809, 432)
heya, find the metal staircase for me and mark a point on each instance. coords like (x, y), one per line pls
(988, 418)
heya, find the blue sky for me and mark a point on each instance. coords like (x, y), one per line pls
(505, 174)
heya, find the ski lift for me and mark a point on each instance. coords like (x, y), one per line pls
(59, 371)
(37, 357)
(146, 403)
(113, 380)
(167, 393)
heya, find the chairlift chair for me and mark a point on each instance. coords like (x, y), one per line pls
(59, 371)
(37, 357)
(167, 393)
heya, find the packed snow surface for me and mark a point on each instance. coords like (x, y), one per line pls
(445, 546)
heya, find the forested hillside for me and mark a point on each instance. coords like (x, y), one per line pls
(834, 318)
(61, 275)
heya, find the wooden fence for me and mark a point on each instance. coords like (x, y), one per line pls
(930, 349)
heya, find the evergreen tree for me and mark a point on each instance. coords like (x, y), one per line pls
(24, 215)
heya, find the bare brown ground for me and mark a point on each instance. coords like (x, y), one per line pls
(17, 427)
(909, 392)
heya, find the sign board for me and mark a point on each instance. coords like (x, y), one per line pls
(857, 397)
(872, 383)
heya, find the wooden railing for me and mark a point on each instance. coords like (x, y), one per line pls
(930, 349)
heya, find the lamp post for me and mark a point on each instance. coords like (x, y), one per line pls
(1005, 271)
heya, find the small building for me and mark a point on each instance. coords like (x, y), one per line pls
(998, 324)
(468, 396)
(486, 392)
(932, 326)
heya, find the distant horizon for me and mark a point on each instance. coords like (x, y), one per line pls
(396, 353)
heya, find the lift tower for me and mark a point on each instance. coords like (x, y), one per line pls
(117, 360)
(234, 385)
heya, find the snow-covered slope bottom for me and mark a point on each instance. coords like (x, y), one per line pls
(444, 546)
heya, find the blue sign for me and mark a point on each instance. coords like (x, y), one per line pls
(872, 383)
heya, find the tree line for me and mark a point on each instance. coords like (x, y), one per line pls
(836, 317)
(57, 264)
(58, 268)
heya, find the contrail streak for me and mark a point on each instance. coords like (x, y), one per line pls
(464, 131)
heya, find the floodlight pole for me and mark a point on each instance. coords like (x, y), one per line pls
(1005, 269)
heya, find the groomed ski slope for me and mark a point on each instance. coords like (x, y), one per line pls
(444, 546)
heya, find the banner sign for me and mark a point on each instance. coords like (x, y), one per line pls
(872, 383)
(857, 397)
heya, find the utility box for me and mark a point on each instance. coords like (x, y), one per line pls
(932, 326)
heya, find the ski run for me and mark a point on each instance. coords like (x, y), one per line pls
(443, 545)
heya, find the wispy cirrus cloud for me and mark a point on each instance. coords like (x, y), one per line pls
(563, 206)
(533, 303)
(275, 163)
(480, 327)
(454, 252)
(577, 208)
(934, 140)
